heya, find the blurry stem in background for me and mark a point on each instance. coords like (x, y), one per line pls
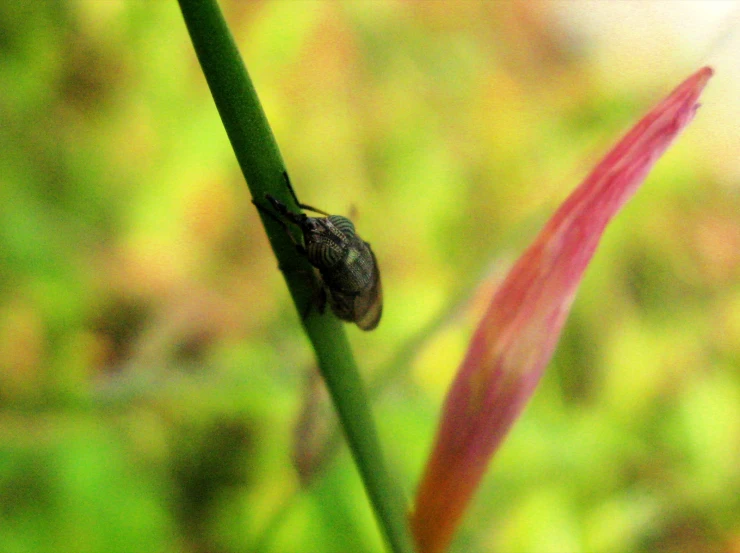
(326, 441)
(262, 165)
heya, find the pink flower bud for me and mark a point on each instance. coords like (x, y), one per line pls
(518, 333)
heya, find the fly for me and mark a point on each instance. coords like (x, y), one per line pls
(348, 269)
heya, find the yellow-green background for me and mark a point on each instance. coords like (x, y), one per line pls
(153, 370)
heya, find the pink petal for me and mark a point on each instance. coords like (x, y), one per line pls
(517, 336)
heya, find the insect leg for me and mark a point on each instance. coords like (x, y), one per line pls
(319, 292)
(271, 215)
(302, 206)
(319, 298)
(282, 223)
(286, 178)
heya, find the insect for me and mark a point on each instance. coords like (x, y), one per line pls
(348, 270)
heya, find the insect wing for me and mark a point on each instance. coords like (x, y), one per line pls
(369, 304)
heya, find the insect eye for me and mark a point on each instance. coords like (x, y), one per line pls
(343, 224)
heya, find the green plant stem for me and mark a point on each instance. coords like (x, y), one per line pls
(263, 168)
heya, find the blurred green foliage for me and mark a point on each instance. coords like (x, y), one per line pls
(152, 370)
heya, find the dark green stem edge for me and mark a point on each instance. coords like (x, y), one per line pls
(262, 165)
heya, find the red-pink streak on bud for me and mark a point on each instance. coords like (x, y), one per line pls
(518, 333)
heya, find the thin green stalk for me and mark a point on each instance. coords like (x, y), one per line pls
(263, 168)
